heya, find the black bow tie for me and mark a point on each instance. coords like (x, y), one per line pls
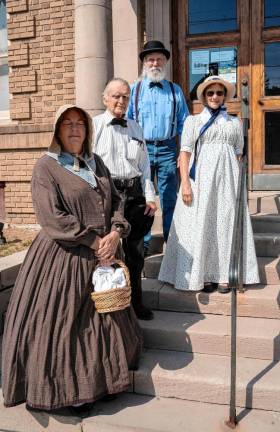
(119, 121)
(155, 84)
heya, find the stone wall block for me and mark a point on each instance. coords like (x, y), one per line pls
(20, 108)
(21, 26)
(18, 54)
(23, 81)
(14, 6)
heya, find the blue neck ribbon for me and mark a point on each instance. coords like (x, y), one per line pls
(214, 115)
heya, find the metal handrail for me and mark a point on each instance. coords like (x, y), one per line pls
(236, 280)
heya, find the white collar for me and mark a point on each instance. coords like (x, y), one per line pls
(205, 115)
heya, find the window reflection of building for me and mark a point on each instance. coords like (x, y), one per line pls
(4, 70)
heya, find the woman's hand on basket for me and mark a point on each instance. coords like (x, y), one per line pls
(187, 194)
(107, 248)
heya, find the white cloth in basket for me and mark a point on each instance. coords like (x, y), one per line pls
(106, 277)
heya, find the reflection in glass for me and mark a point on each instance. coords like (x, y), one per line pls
(272, 68)
(271, 13)
(211, 16)
(3, 28)
(272, 134)
(212, 61)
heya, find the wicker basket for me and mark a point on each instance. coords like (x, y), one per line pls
(113, 299)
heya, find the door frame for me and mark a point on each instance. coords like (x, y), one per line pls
(249, 38)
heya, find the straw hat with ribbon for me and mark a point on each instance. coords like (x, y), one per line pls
(215, 79)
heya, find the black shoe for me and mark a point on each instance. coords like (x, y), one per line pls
(223, 289)
(82, 411)
(144, 313)
(209, 287)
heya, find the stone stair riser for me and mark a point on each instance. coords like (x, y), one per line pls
(259, 303)
(180, 379)
(258, 348)
(267, 246)
(269, 272)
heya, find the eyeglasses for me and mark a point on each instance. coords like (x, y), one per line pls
(119, 96)
(212, 92)
(70, 125)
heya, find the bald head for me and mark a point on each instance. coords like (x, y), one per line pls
(116, 96)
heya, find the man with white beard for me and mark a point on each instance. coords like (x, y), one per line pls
(160, 108)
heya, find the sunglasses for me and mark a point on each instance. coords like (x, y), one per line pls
(218, 93)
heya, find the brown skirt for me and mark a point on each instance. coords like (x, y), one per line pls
(57, 350)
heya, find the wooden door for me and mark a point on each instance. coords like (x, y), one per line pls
(233, 36)
(265, 95)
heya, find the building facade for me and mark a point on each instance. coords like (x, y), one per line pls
(64, 51)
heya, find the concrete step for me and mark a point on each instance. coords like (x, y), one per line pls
(206, 378)
(267, 244)
(269, 268)
(257, 338)
(262, 301)
(156, 243)
(262, 223)
(264, 202)
(138, 413)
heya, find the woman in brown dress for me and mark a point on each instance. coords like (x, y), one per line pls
(57, 350)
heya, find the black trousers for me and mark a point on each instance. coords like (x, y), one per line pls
(133, 245)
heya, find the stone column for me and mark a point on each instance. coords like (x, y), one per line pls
(93, 52)
(125, 39)
(158, 25)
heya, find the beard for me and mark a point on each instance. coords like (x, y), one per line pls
(155, 74)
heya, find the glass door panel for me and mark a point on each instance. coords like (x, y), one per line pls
(271, 13)
(212, 61)
(272, 68)
(206, 16)
(272, 135)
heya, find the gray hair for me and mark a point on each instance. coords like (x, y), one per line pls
(115, 79)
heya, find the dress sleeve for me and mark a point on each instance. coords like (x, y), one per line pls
(239, 143)
(188, 135)
(51, 214)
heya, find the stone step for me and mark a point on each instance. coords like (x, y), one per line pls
(262, 223)
(138, 413)
(269, 268)
(264, 202)
(257, 338)
(267, 244)
(261, 301)
(206, 378)
(156, 243)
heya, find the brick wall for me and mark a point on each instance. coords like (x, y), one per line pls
(16, 168)
(41, 55)
(41, 61)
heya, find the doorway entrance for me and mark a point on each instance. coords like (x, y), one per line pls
(239, 40)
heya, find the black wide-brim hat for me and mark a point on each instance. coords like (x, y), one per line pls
(154, 46)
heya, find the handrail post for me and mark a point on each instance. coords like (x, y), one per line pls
(236, 283)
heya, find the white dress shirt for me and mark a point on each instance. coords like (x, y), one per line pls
(123, 150)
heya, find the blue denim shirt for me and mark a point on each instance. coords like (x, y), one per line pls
(155, 108)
